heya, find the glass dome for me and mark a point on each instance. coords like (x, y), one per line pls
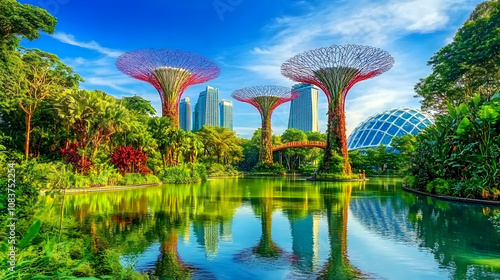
(380, 128)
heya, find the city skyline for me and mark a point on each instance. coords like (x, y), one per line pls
(410, 30)
(226, 114)
(185, 114)
(206, 111)
(304, 109)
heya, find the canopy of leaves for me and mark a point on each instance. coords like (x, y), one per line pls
(468, 65)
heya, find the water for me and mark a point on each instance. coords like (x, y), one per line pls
(291, 229)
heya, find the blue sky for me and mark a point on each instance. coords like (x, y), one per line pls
(250, 39)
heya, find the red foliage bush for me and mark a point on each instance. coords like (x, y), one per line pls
(130, 160)
(71, 156)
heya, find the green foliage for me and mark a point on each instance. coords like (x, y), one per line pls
(24, 20)
(463, 148)
(307, 169)
(270, 168)
(335, 176)
(131, 179)
(410, 180)
(337, 164)
(139, 105)
(439, 186)
(468, 64)
(183, 174)
(217, 169)
(221, 145)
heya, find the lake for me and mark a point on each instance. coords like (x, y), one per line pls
(289, 228)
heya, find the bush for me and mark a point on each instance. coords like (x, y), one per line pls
(439, 186)
(183, 174)
(217, 169)
(411, 181)
(199, 169)
(138, 179)
(271, 168)
(73, 157)
(130, 160)
(337, 164)
(306, 169)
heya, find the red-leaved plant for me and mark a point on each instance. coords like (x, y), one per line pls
(130, 160)
(71, 156)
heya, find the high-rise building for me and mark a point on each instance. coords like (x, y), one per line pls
(304, 109)
(206, 111)
(185, 114)
(226, 114)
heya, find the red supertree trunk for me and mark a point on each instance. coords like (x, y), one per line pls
(335, 70)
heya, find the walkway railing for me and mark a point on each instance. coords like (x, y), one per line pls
(297, 144)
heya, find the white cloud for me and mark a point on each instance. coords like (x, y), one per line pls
(92, 45)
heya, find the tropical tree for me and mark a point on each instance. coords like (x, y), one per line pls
(294, 156)
(468, 65)
(42, 75)
(221, 144)
(461, 150)
(160, 127)
(93, 117)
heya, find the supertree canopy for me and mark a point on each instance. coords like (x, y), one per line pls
(265, 99)
(335, 70)
(170, 71)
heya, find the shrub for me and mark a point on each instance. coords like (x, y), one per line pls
(439, 186)
(199, 169)
(138, 179)
(130, 160)
(306, 169)
(273, 168)
(411, 181)
(73, 157)
(175, 174)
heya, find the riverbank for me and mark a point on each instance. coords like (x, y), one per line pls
(99, 189)
(452, 198)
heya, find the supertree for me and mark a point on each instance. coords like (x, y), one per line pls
(170, 71)
(335, 70)
(265, 99)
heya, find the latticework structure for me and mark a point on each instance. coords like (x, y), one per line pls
(265, 99)
(335, 70)
(170, 71)
(382, 127)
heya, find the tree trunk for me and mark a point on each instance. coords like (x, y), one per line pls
(28, 131)
(336, 139)
(266, 152)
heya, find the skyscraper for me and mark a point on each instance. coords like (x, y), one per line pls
(185, 114)
(206, 111)
(304, 109)
(226, 114)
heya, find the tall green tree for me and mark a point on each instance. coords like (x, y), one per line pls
(18, 21)
(43, 75)
(468, 65)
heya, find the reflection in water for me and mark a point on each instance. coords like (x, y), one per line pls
(220, 239)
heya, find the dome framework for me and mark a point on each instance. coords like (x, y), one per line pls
(382, 127)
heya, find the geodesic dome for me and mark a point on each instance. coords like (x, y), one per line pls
(382, 127)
